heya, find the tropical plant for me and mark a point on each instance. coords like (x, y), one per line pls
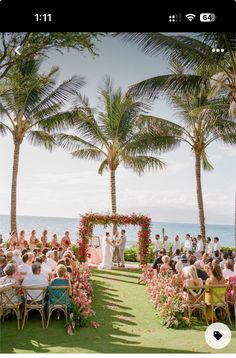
(32, 107)
(114, 136)
(193, 52)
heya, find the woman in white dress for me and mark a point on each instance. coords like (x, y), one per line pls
(107, 253)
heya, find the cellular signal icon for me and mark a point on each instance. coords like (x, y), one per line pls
(190, 17)
(175, 18)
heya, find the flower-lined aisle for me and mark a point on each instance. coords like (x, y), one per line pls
(166, 298)
(81, 305)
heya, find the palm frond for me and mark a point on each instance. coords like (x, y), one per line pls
(139, 163)
(41, 138)
(103, 166)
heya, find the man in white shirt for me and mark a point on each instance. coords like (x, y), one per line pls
(217, 246)
(209, 246)
(176, 244)
(229, 269)
(16, 257)
(188, 243)
(200, 246)
(26, 267)
(166, 244)
(36, 279)
(50, 260)
(157, 243)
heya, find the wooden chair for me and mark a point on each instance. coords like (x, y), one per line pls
(34, 303)
(215, 298)
(10, 300)
(58, 299)
(196, 301)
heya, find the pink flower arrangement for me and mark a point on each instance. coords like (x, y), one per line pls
(166, 298)
(88, 220)
(95, 324)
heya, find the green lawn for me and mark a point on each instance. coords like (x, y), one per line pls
(128, 325)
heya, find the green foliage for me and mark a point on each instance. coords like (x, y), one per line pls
(131, 254)
(75, 249)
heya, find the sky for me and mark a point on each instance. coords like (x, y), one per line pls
(54, 184)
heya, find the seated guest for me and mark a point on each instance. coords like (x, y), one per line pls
(45, 269)
(158, 259)
(178, 278)
(56, 255)
(9, 272)
(26, 267)
(17, 258)
(193, 279)
(165, 267)
(60, 280)
(177, 255)
(217, 256)
(50, 260)
(35, 279)
(205, 258)
(200, 271)
(215, 276)
(9, 256)
(228, 271)
(225, 257)
(3, 263)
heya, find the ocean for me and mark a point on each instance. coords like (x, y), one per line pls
(60, 225)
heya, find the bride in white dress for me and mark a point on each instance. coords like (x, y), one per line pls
(107, 253)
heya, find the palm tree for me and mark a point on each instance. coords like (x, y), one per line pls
(31, 107)
(194, 51)
(115, 135)
(205, 118)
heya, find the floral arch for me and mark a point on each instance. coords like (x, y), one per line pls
(89, 220)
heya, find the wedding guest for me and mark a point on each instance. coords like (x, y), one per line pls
(116, 252)
(200, 246)
(22, 239)
(166, 244)
(176, 245)
(217, 246)
(13, 242)
(157, 243)
(209, 246)
(200, 271)
(158, 260)
(193, 279)
(3, 263)
(224, 259)
(228, 271)
(9, 256)
(65, 241)
(16, 257)
(33, 241)
(165, 267)
(217, 256)
(50, 260)
(26, 267)
(45, 269)
(33, 280)
(9, 272)
(215, 276)
(177, 255)
(54, 242)
(122, 247)
(194, 244)
(188, 243)
(56, 255)
(44, 238)
(178, 278)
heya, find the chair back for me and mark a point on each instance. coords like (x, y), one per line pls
(9, 296)
(196, 295)
(58, 295)
(34, 296)
(216, 294)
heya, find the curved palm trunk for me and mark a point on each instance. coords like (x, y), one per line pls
(14, 185)
(199, 196)
(113, 195)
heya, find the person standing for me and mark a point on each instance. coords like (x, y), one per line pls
(176, 245)
(166, 244)
(122, 247)
(107, 253)
(217, 246)
(200, 246)
(116, 253)
(188, 243)
(157, 243)
(209, 246)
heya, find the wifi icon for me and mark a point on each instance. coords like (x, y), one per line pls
(190, 17)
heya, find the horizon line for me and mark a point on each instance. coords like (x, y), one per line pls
(75, 218)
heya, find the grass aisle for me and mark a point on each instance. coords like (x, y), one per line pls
(128, 325)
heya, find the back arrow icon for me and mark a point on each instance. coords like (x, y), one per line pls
(16, 50)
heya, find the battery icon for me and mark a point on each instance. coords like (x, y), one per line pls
(207, 17)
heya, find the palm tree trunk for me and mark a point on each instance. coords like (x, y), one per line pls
(113, 196)
(14, 185)
(199, 196)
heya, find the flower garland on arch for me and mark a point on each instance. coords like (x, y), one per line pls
(89, 220)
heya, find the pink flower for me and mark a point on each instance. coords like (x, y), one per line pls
(70, 330)
(95, 324)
